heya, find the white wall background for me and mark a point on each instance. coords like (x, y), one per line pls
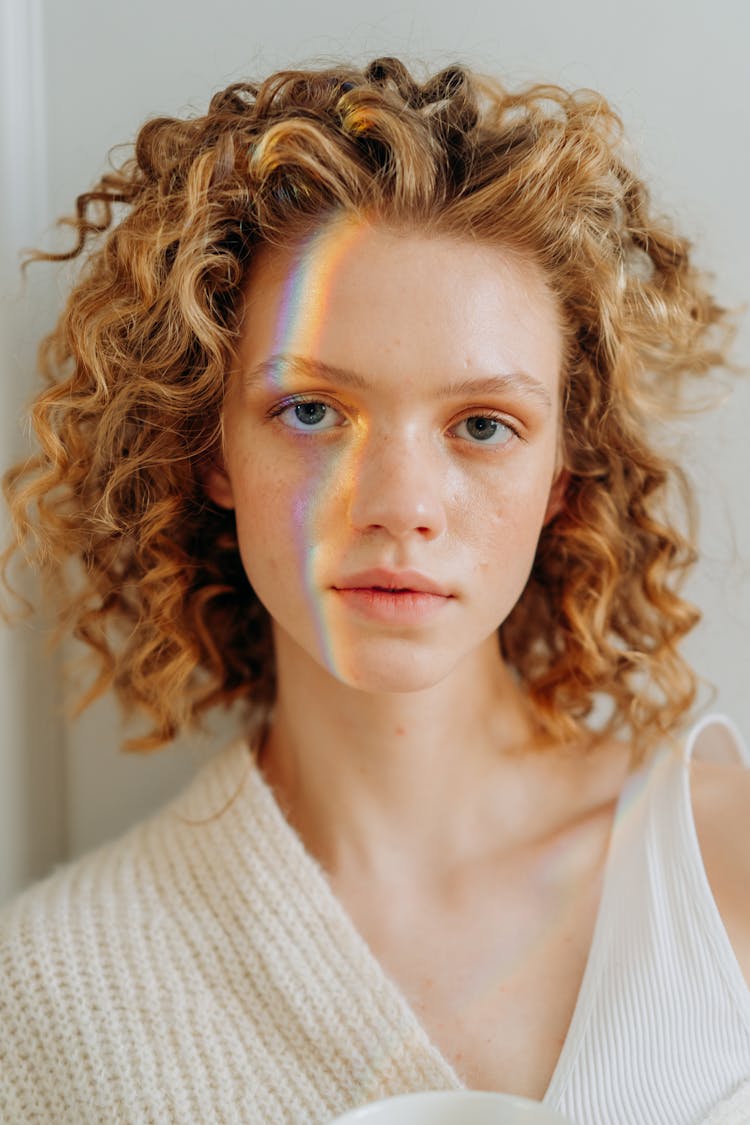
(81, 76)
(32, 763)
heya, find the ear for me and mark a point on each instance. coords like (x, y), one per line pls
(556, 501)
(217, 485)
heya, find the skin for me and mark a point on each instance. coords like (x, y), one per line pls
(395, 750)
(464, 848)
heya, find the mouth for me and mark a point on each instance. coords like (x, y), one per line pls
(394, 605)
(392, 590)
(394, 583)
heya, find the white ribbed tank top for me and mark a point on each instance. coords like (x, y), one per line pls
(661, 1029)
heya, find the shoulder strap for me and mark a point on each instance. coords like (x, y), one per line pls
(662, 1024)
(715, 738)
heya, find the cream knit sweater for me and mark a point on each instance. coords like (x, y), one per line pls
(198, 970)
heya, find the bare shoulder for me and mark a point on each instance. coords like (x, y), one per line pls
(721, 809)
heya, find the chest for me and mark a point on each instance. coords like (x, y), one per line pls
(494, 979)
(500, 1023)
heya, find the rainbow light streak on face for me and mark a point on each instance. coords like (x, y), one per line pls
(302, 313)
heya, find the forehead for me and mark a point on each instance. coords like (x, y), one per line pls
(375, 299)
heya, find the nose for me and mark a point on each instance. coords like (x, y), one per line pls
(398, 486)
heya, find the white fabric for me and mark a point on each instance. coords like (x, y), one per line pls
(201, 969)
(661, 1030)
(733, 1111)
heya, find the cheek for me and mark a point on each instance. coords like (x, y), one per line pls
(504, 521)
(509, 495)
(278, 510)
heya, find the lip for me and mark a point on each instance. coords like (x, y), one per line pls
(392, 607)
(382, 579)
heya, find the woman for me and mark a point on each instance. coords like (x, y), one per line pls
(349, 420)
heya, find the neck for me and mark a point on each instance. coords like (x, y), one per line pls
(405, 787)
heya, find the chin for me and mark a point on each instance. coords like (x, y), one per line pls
(397, 674)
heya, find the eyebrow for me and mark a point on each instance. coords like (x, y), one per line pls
(518, 381)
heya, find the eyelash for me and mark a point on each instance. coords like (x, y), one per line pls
(299, 400)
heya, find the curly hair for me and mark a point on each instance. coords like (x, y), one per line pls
(137, 364)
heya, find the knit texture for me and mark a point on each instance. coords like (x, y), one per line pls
(199, 969)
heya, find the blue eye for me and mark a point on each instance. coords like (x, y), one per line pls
(490, 431)
(310, 415)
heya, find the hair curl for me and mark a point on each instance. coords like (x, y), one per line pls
(137, 363)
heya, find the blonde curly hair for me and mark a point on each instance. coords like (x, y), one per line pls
(137, 364)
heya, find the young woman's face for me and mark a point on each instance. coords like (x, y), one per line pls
(395, 408)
